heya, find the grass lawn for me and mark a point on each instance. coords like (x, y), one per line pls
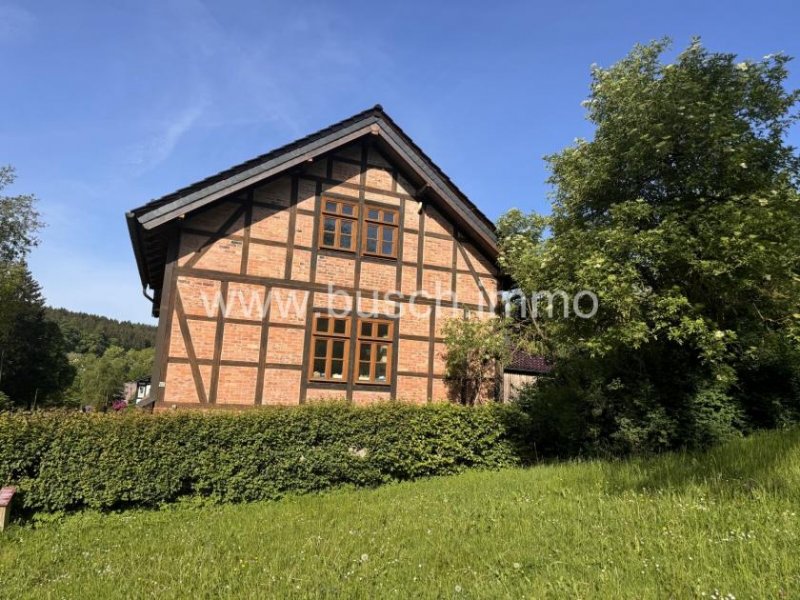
(719, 525)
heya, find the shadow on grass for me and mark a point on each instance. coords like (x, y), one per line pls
(766, 462)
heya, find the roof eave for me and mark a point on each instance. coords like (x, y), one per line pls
(134, 230)
(160, 215)
(150, 219)
(374, 121)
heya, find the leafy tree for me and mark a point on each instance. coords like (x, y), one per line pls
(19, 221)
(140, 363)
(33, 363)
(100, 379)
(34, 369)
(19, 224)
(476, 348)
(683, 215)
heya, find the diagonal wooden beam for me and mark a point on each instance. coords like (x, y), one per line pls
(221, 233)
(475, 275)
(187, 341)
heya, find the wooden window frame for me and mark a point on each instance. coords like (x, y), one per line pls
(339, 218)
(329, 336)
(374, 341)
(381, 224)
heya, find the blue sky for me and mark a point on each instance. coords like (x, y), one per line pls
(106, 105)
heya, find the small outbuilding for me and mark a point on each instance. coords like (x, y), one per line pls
(523, 369)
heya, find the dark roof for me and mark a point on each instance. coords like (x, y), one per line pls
(147, 223)
(522, 362)
(376, 111)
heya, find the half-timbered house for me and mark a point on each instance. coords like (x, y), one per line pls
(323, 269)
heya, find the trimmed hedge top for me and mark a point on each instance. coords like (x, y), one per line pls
(65, 461)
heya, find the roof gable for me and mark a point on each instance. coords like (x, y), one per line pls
(147, 223)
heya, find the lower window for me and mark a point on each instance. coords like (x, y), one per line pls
(330, 349)
(374, 351)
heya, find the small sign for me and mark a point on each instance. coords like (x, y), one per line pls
(6, 494)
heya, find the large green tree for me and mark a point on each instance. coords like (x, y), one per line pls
(34, 369)
(33, 364)
(683, 215)
(19, 225)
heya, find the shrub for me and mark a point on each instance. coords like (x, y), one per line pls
(689, 239)
(476, 348)
(64, 461)
(583, 409)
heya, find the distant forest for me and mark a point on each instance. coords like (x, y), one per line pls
(85, 333)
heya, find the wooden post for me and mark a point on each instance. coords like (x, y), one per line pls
(6, 495)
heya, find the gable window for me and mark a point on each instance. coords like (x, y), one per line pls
(380, 232)
(339, 221)
(329, 347)
(374, 351)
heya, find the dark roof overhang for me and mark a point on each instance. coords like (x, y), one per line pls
(527, 364)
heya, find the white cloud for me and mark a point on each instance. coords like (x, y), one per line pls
(168, 132)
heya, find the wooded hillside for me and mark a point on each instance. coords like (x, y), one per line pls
(85, 332)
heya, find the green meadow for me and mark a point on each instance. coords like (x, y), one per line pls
(724, 524)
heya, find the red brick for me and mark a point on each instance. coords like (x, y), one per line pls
(285, 345)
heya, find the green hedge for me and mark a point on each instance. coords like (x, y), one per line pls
(64, 461)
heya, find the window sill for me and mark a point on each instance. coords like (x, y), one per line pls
(339, 383)
(325, 251)
(378, 258)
